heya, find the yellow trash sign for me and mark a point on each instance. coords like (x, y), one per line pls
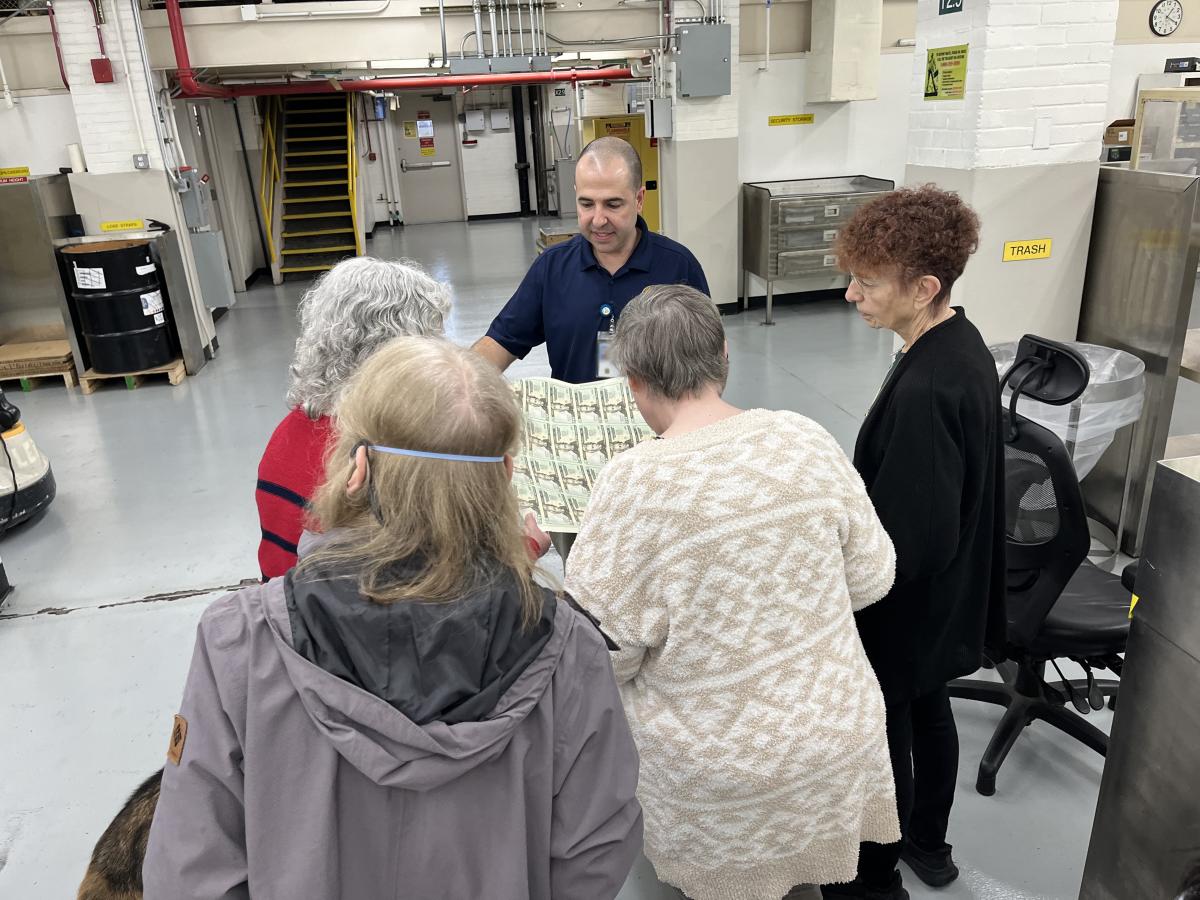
(1018, 251)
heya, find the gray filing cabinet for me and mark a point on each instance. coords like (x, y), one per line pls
(788, 227)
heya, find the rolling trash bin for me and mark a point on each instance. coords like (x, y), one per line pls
(1112, 400)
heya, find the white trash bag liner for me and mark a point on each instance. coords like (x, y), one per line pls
(1112, 400)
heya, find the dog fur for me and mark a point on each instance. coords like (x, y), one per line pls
(115, 872)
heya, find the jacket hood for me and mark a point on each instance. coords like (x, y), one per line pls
(415, 694)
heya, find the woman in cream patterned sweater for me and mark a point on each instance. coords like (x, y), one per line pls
(727, 559)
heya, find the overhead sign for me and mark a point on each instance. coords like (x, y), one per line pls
(949, 6)
(946, 72)
(1018, 251)
(14, 175)
(799, 119)
(123, 225)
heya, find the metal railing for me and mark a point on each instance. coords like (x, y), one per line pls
(270, 173)
(352, 170)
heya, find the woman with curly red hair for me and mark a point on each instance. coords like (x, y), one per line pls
(931, 456)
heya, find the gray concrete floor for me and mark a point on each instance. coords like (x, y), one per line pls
(155, 515)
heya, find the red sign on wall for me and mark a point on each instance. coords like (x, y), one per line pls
(426, 142)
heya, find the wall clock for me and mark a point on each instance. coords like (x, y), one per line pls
(1165, 17)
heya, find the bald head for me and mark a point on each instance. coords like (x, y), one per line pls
(612, 154)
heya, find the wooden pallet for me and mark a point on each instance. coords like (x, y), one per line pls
(174, 371)
(27, 378)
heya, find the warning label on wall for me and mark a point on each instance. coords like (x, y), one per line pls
(428, 151)
(426, 142)
(799, 119)
(14, 175)
(1015, 251)
(410, 128)
(946, 72)
(123, 225)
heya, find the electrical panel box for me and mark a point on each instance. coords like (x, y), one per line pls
(473, 120)
(501, 118)
(702, 60)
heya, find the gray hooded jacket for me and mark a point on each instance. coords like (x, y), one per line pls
(303, 771)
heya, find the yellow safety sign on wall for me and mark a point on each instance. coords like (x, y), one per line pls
(429, 151)
(123, 225)
(805, 119)
(1018, 251)
(410, 128)
(946, 72)
(14, 175)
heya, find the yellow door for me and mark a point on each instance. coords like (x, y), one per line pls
(632, 129)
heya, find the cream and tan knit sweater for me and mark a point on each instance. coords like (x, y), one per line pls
(727, 563)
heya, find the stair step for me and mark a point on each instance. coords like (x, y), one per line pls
(315, 261)
(317, 247)
(315, 182)
(318, 231)
(341, 219)
(318, 102)
(318, 208)
(310, 126)
(323, 198)
(322, 167)
(341, 151)
(324, 139)
(333, 120)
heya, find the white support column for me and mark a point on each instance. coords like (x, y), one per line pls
(698, 167)
(1022, 146)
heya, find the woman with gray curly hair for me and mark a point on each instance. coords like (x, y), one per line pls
(351, 311)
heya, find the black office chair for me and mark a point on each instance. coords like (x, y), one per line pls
(1060, 605)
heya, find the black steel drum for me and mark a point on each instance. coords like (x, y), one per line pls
(122, 313)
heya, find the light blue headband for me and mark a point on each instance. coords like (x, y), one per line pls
(424, 454)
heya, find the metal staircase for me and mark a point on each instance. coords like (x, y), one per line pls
(319, 168)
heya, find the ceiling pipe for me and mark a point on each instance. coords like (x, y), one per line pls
(190, 87)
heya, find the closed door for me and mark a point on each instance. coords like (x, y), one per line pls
(427, 151)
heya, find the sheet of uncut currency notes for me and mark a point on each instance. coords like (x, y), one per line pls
(571, 431)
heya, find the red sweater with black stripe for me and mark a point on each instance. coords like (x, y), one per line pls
(291, 468)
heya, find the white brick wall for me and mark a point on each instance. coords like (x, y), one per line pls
(1028, 60)
(102, 111)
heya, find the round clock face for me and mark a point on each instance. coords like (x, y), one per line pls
(1165, 17)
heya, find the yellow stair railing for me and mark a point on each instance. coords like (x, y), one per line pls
(352, 170)
(270, 174)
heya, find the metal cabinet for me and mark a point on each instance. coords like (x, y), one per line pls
(788, 227)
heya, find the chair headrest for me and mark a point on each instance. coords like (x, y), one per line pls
(1047, 371)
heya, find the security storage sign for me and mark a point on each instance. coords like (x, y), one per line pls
(949, 6)
(946, 72)
(796, 119)
(1018, 251)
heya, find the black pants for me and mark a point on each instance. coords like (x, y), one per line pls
(923, 742)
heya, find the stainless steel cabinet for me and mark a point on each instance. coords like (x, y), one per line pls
(788, 227)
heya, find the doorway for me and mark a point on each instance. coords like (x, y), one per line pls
(430, 180)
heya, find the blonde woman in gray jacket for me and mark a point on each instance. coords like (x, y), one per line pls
(406, 714)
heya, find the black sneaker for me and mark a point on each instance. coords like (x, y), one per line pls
(857, 890)
(934, 867)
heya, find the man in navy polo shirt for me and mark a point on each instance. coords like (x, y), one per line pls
(573, 294)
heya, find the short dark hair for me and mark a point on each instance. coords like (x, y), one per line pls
(671, 338)
(914, 231)
(609, 149)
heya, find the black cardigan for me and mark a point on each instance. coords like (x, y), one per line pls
(931, 455)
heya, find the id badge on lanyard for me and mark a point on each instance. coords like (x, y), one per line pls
(604, 364)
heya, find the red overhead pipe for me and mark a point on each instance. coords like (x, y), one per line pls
(190, 87)
(62, 70)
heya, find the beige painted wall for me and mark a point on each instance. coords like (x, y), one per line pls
(1008, 300)
(1133, 23)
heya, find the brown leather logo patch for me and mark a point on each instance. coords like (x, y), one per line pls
(178, 738)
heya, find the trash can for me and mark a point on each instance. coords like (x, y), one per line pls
(1112, 400)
